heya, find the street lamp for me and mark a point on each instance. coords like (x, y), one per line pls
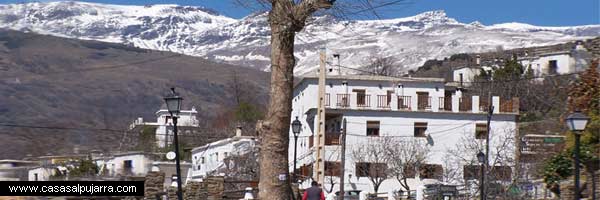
(576, 122)
(296, 125)
(173, 101)
(481, 159)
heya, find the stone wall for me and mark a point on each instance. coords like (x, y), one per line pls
(153, 184)
(211, 189)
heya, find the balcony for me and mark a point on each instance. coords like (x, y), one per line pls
(383, 101)
(404, 102)
(331, 138)
(423, 102)
(363, 100)
(470, 104)
(343, 100)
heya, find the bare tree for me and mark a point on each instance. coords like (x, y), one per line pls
(382, 65)
(405, 159)
(464, 154)
(371, 160)
(286, 18)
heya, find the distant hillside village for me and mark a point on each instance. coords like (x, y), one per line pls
(430, 129)
(558, 58)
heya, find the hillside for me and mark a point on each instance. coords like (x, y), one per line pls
(201, 32)
(59, 82)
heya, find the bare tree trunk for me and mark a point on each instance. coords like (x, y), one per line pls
(274, 131)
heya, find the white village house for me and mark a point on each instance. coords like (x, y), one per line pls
(210, 158)
(556, 62)
(164, 125)
(408, 108)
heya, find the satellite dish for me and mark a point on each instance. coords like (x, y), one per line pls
(171, 155)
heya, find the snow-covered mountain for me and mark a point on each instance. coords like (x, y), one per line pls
(203, 32)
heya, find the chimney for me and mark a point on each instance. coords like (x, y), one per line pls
(238, 131)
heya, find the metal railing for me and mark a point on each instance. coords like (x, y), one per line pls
(343, 100)
(383, 101)
(363, 100)
(423, 102)
(404, 102)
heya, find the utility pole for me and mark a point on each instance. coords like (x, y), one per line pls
(320, 165)
(343, 160)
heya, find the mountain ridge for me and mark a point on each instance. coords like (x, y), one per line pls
(199, 32)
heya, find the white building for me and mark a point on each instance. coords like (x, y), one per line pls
(164, 125)
(208, 159)
(409, 108)
(15, 170)
(126, 163)
(557, 62)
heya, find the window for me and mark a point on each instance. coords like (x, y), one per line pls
(552, 67)
(202, 160)
(480, 131)
(364, 169)
(372, 128)
(35, 176)
(423, 100)
(431, 171)
(127, 164)
(361, 97)
(420, 128)
(332, 168)
(471, 172)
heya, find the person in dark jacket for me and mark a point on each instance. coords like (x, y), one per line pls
(313, 192)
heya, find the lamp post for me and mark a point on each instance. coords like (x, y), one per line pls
(173, 101)
(576, 122)
(296, 125)
(481, 159)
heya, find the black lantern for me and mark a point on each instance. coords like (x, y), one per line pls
(577, 121)
(173, 101)
(296, 126)
(481, 157)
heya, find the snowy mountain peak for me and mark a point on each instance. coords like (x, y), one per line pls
(436, 16)
(202, 32)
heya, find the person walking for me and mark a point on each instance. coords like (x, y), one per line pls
(313, 192)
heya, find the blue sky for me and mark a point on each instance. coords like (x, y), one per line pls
(536, 12)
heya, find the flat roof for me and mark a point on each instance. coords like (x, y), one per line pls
(371, 78)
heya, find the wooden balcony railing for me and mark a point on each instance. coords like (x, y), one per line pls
(383, 101)
(484, 104)
(332, 138)
(343, 100)
(464, 104)
(363, 100)
(404, 102)
(509, 105)
(423, 102)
